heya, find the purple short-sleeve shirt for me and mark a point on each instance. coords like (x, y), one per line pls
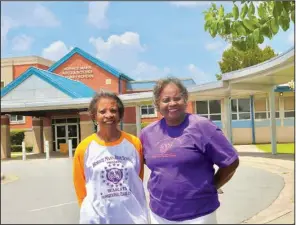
(181, 160)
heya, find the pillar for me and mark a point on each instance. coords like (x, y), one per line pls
(5, 137)
(272, 120)
(138, 119)
(47, 132)
(227, 118)
(86, 125)
(37, 135)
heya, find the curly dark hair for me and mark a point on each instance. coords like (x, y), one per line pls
(160, 85)
(105, 94)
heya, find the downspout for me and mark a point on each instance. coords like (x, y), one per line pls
(119, 92)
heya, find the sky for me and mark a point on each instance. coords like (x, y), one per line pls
(145, 40)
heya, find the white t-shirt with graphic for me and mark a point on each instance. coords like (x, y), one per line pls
(108, 181)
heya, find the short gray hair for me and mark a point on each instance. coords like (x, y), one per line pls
(105, 94)
(162, 83)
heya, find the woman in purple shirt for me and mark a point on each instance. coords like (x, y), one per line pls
(181, 150)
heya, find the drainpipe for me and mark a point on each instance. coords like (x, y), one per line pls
(119, 92)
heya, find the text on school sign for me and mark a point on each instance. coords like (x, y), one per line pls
(78, 72)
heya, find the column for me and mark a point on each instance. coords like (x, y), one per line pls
(272, 120)
(138, 120)
(37, 133)
(253, 120)
(47, 132)
(5, 137)
(227, 123)
(86, 125)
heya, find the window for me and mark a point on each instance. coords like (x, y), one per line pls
(262, 110)
(2, 84)
(17, 119)
(289, 106)
(148, 111)
(240, 109)
(210, 109)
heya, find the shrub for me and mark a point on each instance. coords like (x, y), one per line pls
(144, 124)
(18, 148)
(17, 137)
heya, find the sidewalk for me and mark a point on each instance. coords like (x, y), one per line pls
(282, 209)
(285, 219)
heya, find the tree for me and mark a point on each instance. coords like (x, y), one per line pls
(247, 27)
(234, 59)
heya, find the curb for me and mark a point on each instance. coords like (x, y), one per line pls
(276, 216)
(266, 215)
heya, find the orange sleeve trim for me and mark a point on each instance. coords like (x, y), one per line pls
(78, 171)
(137, 143)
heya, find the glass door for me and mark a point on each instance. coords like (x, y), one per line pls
(72, 131)
(61, 135)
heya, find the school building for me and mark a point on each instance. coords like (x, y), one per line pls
(49, 100)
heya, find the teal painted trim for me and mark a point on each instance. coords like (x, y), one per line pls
(241, 124)
(283, 89)
(218, 124)
(16, 82)
(253, 120)
(70, 87)
(289, 122)
(266, 123)
(89, 57)
(26, 75)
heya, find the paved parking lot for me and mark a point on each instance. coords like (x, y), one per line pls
(43, 192)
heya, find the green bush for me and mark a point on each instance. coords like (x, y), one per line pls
(144, 124)
(17, 137)
(18, 148)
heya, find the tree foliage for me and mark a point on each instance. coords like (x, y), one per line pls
(247, 27)
(234, 59)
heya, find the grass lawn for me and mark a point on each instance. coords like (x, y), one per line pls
(281, 148)
(19, 154)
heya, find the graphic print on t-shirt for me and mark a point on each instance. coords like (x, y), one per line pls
(114, 175)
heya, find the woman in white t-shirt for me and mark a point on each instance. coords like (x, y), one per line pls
(108, 169)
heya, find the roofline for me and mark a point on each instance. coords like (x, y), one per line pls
(258, 67)
(91, 58)
(145, 81)
(26, 60)
(33, 70)
(208, 86)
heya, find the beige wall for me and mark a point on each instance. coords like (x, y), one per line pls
(29, 138)
(47, 136)
(242, 136)
(284, 135)
(5, 142)
(86, 129)
(6, 74)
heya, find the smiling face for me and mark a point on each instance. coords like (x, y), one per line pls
(107, 112)
(172, 104)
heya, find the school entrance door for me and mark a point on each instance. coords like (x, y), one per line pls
(69, 129)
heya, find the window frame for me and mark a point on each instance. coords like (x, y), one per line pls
(148, 115)
(23, 121)
(267, 110)
(208, 115)
(237, 113)
(290, 110)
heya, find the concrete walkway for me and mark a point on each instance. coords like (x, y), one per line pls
(262, 191)
(282, 209)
